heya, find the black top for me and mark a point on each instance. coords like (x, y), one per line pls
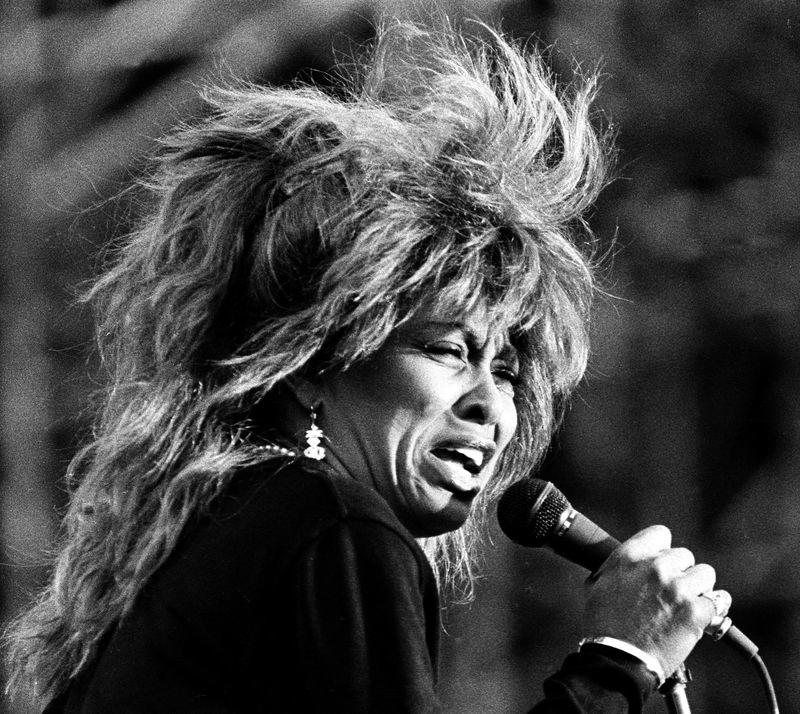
(301, 592)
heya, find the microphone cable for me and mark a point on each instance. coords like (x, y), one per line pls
(766, 681)
(737, 640)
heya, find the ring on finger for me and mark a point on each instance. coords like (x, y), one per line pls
(717, 601)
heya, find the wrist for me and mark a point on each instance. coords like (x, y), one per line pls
(650, 662)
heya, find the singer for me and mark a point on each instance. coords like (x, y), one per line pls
(347, 321)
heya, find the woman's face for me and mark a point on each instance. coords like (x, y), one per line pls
(425, 420)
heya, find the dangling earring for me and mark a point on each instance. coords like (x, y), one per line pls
(313, 438)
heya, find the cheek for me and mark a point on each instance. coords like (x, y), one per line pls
(415, 402)
(416, 414)
(508, 423)
(414, 389)
(387, 406)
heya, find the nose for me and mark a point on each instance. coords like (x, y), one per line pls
(482, 402)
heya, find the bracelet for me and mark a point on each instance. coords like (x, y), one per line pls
(650, 662)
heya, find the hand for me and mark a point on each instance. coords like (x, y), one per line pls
(652, 596)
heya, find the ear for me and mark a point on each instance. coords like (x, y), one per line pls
(305, 392)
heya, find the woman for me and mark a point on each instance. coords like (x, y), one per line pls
(345, 325)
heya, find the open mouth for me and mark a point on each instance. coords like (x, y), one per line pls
(469, 458)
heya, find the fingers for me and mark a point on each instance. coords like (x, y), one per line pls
(654, 543)
(674, 560)
(693, 593)
(698, 579)
(719, 601)
(646, 543)
(687, 585)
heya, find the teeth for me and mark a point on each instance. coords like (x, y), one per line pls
(470, 458)
(474, 455)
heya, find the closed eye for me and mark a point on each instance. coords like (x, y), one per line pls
(507, 378)
(507, 374)
(446, 349)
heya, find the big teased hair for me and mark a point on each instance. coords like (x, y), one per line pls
(292, 230)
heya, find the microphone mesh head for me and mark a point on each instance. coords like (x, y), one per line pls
(529, 511)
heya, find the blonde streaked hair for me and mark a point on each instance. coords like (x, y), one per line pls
(291, 231)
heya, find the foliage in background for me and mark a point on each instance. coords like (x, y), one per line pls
(690, 415)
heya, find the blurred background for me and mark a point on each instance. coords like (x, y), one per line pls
(690, 413)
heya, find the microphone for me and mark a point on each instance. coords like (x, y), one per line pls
(534, 513)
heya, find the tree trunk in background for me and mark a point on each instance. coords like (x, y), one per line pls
(25, 312)
(27, 514)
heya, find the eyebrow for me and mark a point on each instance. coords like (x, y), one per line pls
(507, 350)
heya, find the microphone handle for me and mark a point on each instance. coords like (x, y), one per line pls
(581, 541)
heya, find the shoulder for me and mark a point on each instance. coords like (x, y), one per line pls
(274, 521)
(302, 502)
(307, 490)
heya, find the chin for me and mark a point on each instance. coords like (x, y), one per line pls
(436, 523)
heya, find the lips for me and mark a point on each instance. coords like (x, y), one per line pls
(463, 460)
(470, 458)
